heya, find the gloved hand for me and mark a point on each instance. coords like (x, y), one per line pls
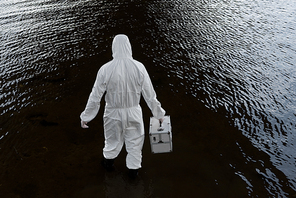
(83, 125)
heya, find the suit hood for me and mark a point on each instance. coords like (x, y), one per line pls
(121, 47)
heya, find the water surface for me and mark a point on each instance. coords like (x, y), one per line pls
(236, 58)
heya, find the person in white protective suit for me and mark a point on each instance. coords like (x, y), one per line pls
(124, 80)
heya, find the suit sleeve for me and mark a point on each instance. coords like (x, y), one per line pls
(149, 95)
(94, 100)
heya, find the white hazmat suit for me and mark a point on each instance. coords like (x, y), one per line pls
(124, 80)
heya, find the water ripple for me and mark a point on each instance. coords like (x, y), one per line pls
(39, 38)
(238, 56)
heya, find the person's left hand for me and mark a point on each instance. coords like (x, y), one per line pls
(83, 125)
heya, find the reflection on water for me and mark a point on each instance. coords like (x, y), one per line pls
(118, 185)
(237, 57)
(40, 41)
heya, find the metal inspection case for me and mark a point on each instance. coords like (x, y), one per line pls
(161, 135)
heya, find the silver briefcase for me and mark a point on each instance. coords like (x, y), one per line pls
(161, 135)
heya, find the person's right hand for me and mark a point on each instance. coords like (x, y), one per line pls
(83, 125)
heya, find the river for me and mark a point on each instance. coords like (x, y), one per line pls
(234, 59)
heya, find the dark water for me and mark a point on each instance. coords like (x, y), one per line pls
(236, 58)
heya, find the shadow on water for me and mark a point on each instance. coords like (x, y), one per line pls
(45, 153)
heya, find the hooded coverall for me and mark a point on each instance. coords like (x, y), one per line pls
(124, 80)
